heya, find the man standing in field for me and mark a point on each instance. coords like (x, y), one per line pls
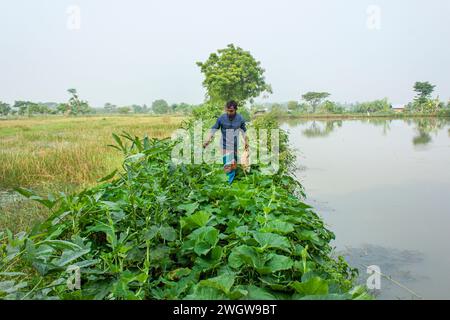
(230, 124)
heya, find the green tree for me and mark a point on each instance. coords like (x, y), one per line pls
(277, 110)
(42, 108)
(433, 105)
(182, 107)
(423, 91)
(233, 73)
(381, 105)
(330, 107)
(124, 110)
(75, 105)
(5, 109)
(303, 107)
(30, 108)
(173, 107)
(22, 107)
(110, 108)
(314, 99)
(62, 107)
(293, 106)
(139, 109)
(160, 106)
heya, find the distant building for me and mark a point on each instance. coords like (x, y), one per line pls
(398, 107)
(259, 112)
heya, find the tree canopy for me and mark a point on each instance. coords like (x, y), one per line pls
(423, 101)
(160, 106)
(315, 98)
(4, 108)
(233, 74)
(423, 90)
(75, 105)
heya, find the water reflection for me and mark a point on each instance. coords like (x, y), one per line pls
(423, 138)
(424, 127)
(316, 128)
(384, 123)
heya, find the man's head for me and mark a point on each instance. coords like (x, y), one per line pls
(231, 107)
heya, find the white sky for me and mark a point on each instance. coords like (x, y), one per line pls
(135, 51)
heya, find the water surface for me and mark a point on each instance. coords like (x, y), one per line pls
(383, 187)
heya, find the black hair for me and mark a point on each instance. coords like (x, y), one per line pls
(232, 103)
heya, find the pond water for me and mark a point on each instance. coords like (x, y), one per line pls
(383, 188)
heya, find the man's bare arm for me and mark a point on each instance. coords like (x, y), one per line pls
(209, 138)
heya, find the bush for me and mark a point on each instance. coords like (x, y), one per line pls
(331, 107)
(372, 106)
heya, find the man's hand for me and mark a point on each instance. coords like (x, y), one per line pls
(206, 144)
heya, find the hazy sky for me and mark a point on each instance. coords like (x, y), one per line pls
(137, 51)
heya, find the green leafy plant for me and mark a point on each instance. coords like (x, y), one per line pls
(160, 231)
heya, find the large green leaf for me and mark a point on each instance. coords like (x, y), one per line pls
(198, 219)
(107, 177)
(205, 239)
(151, 233)
(60, 244)
(69, 256)
(245, 256)
(202, 247)
(276, 263)
(206, 293)
(188, 207)
(168, 233)
(278, 226)
(272, 240)
(223, 282)
(49, 202)
(257, 293)
(360, 293)
(309, 236)
(314, 286)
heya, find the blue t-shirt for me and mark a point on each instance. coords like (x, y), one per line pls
(230, 129)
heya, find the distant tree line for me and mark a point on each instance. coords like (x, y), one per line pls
(159, 106)
(319, 103)
(77, 106)
(73, 106)
(310, 103)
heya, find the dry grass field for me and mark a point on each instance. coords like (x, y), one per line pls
(55, 153)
